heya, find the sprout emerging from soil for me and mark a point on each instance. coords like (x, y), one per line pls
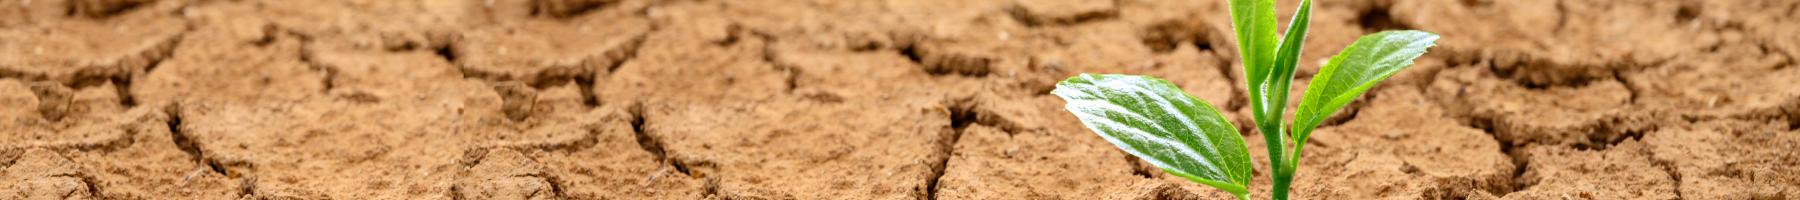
(1154, 120)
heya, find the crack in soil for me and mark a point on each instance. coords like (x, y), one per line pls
(622, 55)
(1668, 166)
(1610, 129)
(456, 192)
(583, 78)
(151, 59)
(1380, 18)
(773, 57)
(154, 58)
(1540, 73)
(328, 75)
(627, 52)
(57, 104)
(1630, 90)
(188, 145)
(911, 52)
(1602, 134)
(1793, 115)
(198, 155)
(102, 9)
(8, 72)
(1515, 147)
(1598, 140)
(1350, 111)
(1167, 36)
(962, 114)
(652, 144)
(1025, 16)
(1687, 12)
(564, 9)
(1138, 167)
(588, 98)
(1520, 160)
(447, 52)
(947, 64)
(583, 81)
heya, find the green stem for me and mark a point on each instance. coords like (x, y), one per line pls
(1272, 135)
(1283, 178)
(1243, 196)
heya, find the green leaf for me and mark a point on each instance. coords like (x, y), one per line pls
(1254, 22)
(1286, 58)
(1154, 120)
(1289, 52)
(1274, 97)
(1352, 72)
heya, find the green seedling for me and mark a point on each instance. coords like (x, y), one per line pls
(1154, 120)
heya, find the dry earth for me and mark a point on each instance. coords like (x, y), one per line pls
(879, 99)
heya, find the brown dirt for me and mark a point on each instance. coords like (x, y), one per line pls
(904, 99)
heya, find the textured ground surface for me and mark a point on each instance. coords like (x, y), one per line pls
(894, 99)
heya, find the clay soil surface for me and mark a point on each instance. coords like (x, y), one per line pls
(875, 99)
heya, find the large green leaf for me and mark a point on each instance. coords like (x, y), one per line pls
(1156, 121)
(1352, 72)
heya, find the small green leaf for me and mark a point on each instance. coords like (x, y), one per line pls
(1352, 72)
(1289, 52)
(1154, 120)
(1254, 23)
(1287, 56)
(1274, 97)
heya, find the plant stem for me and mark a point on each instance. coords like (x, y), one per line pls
(1283, 178)
(1243, 196)
(1273, 135)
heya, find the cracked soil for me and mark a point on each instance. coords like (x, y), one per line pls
(876, 99)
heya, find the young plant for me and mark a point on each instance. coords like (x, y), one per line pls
(1185, 136)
